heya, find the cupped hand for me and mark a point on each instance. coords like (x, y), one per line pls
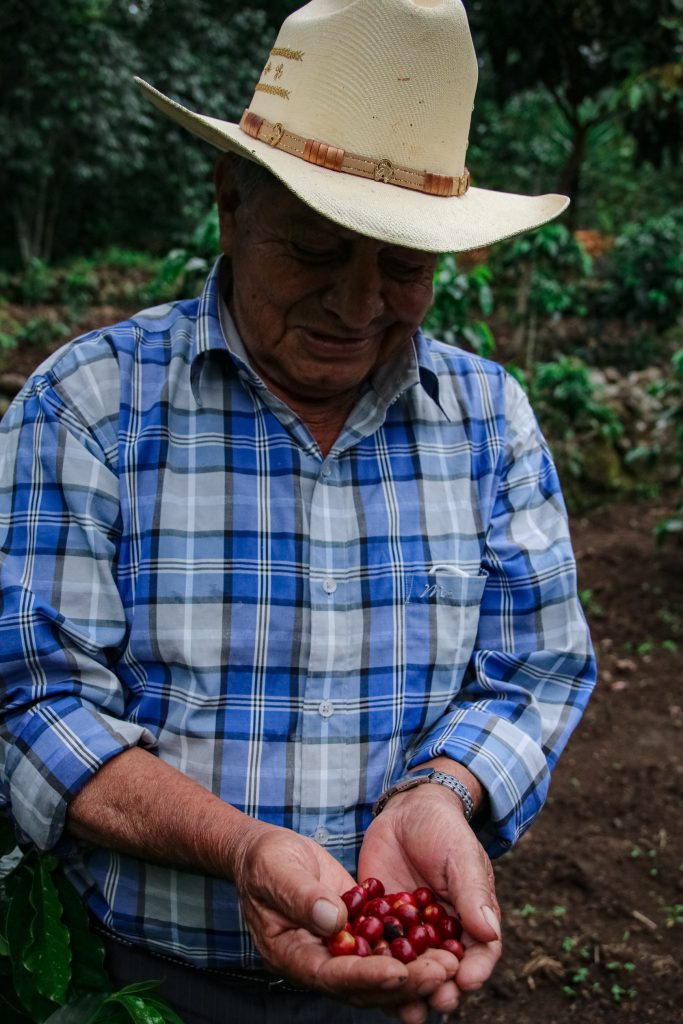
(289, 890)
(421, 838)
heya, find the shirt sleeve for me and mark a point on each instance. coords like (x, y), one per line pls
(532, 668)
(61, 615)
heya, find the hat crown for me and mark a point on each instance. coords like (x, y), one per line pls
(387, 79)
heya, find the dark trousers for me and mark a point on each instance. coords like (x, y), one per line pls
(228, 997)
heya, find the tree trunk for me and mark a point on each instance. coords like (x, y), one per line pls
(570, 178)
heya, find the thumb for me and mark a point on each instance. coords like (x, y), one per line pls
(474, 897)
(300, 896)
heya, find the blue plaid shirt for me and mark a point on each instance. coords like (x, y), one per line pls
(181, 568)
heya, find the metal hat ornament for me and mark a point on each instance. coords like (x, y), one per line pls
(363, 111)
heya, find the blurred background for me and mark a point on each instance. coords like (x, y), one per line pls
(106, 207)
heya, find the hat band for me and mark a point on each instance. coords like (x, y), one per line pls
(335, 159)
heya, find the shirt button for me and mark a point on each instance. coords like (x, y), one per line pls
(325, 708)
(326, 470)
(321, 835)
(329, 585)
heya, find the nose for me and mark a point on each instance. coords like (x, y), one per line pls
(355, 295)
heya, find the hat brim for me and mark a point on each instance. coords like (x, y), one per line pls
(387, 212)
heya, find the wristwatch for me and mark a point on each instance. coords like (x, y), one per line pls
(427, 775)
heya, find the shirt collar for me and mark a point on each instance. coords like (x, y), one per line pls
(216, 331)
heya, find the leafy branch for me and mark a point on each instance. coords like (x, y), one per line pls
(51, 963)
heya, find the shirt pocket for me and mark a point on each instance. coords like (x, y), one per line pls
(441, 620)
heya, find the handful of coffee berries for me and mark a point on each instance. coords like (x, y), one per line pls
(398, 924)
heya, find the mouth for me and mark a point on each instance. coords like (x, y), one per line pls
(335, 343)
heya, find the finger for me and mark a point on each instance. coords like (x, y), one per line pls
(446, 998)
(301, 898)
(477, 964)
(471, 887)
(415, 1012)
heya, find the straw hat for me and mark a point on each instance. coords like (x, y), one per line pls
(363, 111)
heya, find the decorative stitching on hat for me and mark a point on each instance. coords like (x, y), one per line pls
(274, 90)
(280, 51)
(335, 159)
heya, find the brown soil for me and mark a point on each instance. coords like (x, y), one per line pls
(589, 895)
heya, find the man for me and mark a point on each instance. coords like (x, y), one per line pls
(272, 559)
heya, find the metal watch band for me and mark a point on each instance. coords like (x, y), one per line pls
(421, 776)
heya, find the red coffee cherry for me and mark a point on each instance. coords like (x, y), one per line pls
(449, 927)
(342, 943)
(399, 898)
(418, 937)
(382, 948)
(362, 946)
(402, 950)
(369, 928)
(373, 888)
(408, 915)
(355, 900)
(454, 947)
(379, 907)
(433, 935)
(433, 913)
(423, 896)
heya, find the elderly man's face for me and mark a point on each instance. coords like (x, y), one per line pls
(318, 307)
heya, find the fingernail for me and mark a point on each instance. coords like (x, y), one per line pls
(325, 915)
(491, 919)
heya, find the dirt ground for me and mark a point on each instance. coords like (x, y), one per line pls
(593, 895)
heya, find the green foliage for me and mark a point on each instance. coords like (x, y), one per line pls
(84, 158)
(580, 429)
(457, 295)
(51, 964)
(542, 276)
(41, 333)
(183, 270)
(673, 388)
(594, 66)
(643, 276)
(36, 282)
(551, 263)
(566, 395)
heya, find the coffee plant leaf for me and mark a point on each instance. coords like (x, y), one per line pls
(20, 916)
(48, 953)
(87, 952)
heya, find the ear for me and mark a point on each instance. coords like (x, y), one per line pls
(228, 199)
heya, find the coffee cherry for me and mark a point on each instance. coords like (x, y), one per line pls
(449, 927)
(382, 948)
(369, 928)
(454, 947)
(379, 907)
(433, 913)
(342, 943)
(355, 900)
(393, 929)
(399, 924)
(408, 915)
(418, 937)
(399, 898)
(423, 896)
(402, 950)
(373, 888)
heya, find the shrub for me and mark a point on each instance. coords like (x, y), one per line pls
(643, 273)
(456, 295)
(184, 270)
